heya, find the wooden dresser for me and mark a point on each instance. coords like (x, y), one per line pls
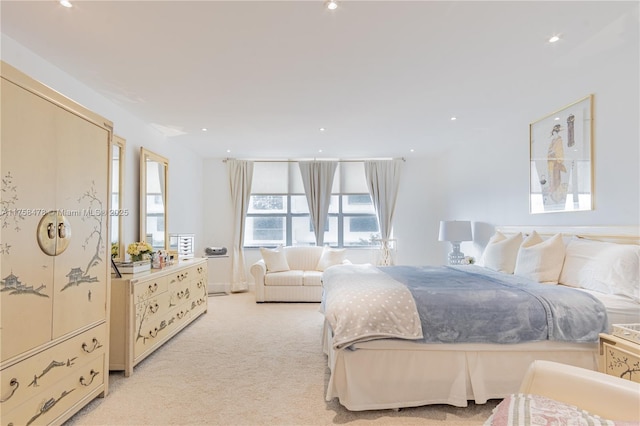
(619, 357)
(54, 247)
(149, 308)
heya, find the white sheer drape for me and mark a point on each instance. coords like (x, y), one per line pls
(240, 176)
(317, 178)
(383, 180)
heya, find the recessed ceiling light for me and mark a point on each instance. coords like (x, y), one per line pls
(228, 150)
(66, 3)
(557, 119)
(322, 129)
(554, 38)
(204, 129)
(454, 118)
(319, 150)
(332, 5)
(411, 150)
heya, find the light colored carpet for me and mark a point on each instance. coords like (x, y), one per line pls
(244, 363)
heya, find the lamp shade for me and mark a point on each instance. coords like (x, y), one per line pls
(455, 230)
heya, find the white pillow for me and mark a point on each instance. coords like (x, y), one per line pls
(604, 267)
(541, 260)
(501, 252)
(275, 260)
(330, 257)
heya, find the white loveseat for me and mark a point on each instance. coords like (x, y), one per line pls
(293, 274)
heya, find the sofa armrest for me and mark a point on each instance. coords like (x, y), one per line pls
(258, 270)
(607, 396)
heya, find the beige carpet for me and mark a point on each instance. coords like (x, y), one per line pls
(246, 364)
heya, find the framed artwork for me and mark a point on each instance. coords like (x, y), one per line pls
(560, 146)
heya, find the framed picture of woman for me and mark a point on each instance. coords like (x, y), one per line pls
(560, 146)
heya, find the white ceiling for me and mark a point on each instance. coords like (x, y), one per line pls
(383, 77)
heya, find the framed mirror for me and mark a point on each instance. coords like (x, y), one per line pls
(117, 185)
(154, 173)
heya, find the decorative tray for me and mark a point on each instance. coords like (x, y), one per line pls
(629, 332)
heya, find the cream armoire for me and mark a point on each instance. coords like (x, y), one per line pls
(55, 270)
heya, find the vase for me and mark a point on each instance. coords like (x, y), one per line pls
(137, 257)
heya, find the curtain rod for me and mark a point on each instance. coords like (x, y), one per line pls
(315, 159)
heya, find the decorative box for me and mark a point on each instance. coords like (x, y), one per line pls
(629, 332)
(134, 267)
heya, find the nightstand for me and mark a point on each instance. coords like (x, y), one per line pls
(619, 357)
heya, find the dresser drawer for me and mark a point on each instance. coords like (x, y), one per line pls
(150, 309)
(153, 332)
(23, 380)
(47, 404)
(143, 290)
(620, 362)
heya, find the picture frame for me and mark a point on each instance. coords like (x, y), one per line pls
(561, 163)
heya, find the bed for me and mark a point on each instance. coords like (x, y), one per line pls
(403, 363)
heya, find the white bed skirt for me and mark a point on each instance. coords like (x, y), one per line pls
(383, 374)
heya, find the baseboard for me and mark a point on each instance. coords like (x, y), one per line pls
(214, 288)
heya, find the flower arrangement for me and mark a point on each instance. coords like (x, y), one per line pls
(139, 251)
(468, 260)
(115, 250)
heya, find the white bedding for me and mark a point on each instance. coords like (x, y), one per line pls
(620, 309)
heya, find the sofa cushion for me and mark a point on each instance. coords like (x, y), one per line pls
(312, 278)
(275, 260)
(304, 258)
(329, 258)
(288, 278)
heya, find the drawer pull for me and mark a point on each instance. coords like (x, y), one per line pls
(48, 405)
(153, 288)
(96, 345)
(154, 308)
(153, 333)
(200, 284)
(200, 269)
(15, 385)
(93, 374)
(181, 314)
(180, 294)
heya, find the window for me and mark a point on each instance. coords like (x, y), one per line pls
(278, 212)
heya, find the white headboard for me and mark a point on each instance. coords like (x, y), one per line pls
(614, 234)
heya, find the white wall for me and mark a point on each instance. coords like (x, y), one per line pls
(487, 180)
(185, 168)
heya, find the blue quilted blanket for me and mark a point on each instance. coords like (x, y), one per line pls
(471, 304)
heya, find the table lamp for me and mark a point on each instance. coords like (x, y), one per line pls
(455, 231)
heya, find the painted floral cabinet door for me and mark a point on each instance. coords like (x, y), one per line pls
(27, 164)
(80, 291)
(54, 221)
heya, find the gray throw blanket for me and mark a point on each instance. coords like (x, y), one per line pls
(471, 304)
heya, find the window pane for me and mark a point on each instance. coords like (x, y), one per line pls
(331, 234)
(334, 204)
(299, 204)
(301, 232)
(357, 203)
(265, 231)
(361, 231)
(267, 204)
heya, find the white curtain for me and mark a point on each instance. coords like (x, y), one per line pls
(240, 176)
(383, 180)
(317, 178)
